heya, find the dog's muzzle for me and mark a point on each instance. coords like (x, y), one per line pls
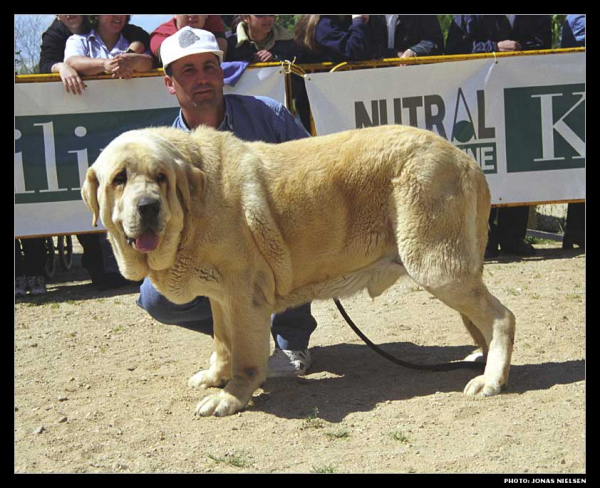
(148, 208)
(148, 240)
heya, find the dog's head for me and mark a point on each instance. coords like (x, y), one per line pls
(142, 187)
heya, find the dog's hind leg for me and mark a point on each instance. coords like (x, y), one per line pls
(461, 287)
(441, 227)
(477, 338)
(491, 325)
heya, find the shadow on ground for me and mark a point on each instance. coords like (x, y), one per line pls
(363, 379)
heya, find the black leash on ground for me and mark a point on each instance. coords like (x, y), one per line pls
(423, 367)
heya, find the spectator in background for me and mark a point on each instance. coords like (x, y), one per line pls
(54, 39)
(501, 33)
(498, 33)
(407, 36)
(573, 35)
(211, 23)
(30, 264)
(357, 37)
(336, 38)
(573, 31)
(105, 49)
(363, 37)
(258, 39)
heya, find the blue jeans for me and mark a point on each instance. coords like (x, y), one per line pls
(291, 328)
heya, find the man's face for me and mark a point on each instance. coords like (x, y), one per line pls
(197, 81)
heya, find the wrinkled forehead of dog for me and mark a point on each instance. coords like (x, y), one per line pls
(136, 151)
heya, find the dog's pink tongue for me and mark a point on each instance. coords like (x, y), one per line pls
(147, 242)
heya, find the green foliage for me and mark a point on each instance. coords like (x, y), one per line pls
(312, 421)
(235, 459)
(287, 21)
(445, 21)
(557, 22)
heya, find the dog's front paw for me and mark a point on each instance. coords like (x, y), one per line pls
(207, 379)
(219, 405)
(479, 386)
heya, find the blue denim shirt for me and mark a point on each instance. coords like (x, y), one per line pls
(573, 31)
(255, 119)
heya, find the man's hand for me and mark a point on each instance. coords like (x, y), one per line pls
(504, 46)
(409, 53)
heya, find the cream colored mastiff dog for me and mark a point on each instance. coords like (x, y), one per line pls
(261, 227)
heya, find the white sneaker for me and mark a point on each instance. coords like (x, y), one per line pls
(37, 285)
(20, 286)
(285, 363)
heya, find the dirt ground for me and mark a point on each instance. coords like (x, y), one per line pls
(100, 387)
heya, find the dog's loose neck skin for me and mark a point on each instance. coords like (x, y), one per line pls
(197, 243)
(168, 269)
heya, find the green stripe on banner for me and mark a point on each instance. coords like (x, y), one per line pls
(53, 152)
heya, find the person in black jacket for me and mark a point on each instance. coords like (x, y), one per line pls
(502, 33)
(52, 50)
(361, 37)
(498, 33)
(407, 36)
(336, 38)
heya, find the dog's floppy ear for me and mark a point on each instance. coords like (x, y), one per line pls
(191, 182)
(89, 193)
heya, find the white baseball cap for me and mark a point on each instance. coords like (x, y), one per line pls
(188, 41)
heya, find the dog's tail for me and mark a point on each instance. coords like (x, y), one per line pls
(477, 213)
(483, 202)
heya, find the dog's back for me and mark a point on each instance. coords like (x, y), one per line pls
(366, 178)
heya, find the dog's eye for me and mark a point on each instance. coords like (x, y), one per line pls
(121, 178)
(161, 178)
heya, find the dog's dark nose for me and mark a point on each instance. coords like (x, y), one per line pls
(148, 207)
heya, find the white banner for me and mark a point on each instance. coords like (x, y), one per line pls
(521, 118)
(59, 135)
